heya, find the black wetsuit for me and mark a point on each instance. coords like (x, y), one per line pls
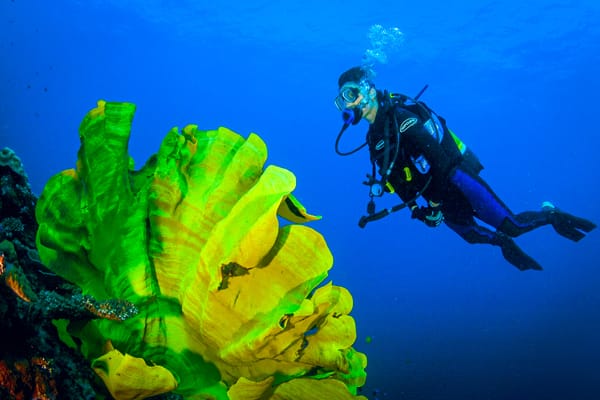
(430, 162)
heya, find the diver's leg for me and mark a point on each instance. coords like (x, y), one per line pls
(564, 224)
(474, 233)
(489, 208)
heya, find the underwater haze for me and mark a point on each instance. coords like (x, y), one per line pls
(439, 319)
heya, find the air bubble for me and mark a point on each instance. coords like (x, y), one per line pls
(382, 41)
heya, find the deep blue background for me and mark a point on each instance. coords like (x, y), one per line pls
(517, 81)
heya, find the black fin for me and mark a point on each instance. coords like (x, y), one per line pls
(570, 226)
(517, 257)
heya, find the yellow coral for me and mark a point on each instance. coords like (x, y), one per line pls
(130, 378)
(227, 298)
(99, 110)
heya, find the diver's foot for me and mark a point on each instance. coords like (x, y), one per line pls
(514, 255)
(548, 206)
(568, 225)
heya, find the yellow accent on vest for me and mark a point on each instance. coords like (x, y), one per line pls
(390, 187)
(459, 143)
(408, 174)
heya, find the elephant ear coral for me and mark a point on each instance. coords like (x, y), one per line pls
(230, 302)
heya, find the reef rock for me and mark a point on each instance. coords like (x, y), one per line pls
(34, 362)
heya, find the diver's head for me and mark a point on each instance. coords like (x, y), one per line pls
(357, 95)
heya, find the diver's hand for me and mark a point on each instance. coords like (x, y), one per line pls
(431, 216)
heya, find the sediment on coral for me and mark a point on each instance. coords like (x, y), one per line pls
(230, 304)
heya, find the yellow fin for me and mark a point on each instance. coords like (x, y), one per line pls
(292, 210)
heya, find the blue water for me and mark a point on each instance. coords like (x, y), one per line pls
(517, 81)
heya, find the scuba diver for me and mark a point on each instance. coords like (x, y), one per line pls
(414, 154)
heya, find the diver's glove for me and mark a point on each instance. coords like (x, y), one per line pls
(432, 216)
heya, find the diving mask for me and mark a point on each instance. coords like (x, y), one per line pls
(349, 93)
